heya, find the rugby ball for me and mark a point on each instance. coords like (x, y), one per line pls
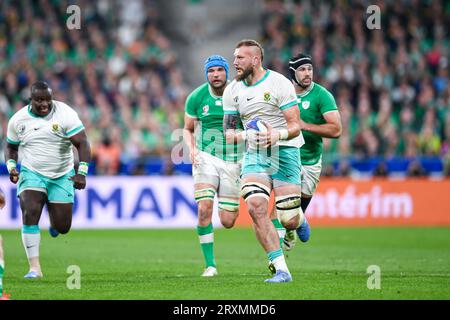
(256, 124)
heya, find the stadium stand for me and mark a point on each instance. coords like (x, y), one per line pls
(121, 73)
(391, 85)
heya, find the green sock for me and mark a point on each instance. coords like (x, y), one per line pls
(280, 230)
(2, 269)
(206, 237)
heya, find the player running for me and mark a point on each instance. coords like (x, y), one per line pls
(319, 118)
(271, 161)
(216, 165)
(44, 132)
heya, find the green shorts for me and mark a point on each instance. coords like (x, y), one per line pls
(59, 190)
(282, 163)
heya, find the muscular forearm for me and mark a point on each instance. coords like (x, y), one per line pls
(84, 151)
(327, 130)
(188, 136)
(293, 129)
(11, 153)
(230, 124)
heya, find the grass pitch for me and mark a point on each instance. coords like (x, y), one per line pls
(166, 264)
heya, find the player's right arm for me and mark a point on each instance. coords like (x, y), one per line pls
(188, 136)
(231, 118)
(331, 129)
(190, 119)
(12, 151)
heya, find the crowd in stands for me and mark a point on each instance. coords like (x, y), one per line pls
(119, 71)
(122, 75)
(391, 84)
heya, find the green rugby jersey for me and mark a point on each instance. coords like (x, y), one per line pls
(313, 104)
(203, 105)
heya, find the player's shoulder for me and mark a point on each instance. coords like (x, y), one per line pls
(277, 77)
(278, 81)
(200, 90)
(232, 87)
(62, 108)
(321, 89)
(21, 113)
(199, 93)
(62, 105)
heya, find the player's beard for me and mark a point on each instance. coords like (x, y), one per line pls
(245, 73)
(305, 86)
(218, 86)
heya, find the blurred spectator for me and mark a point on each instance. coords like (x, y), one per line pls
(119, 70)
(391, 85)
(415, 169)
(328, 171)
(381, 170)
(344, 169)
(122, 75)
(107, 157)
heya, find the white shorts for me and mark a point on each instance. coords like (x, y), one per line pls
(223, 175)
(310, 177)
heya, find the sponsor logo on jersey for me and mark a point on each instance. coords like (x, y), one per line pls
(266, 96)
(305, 105)
(205, 110)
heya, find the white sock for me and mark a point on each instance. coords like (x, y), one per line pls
(280, 264)
(31, 243)
(2, 263)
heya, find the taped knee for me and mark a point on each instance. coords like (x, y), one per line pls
(254, 189)
(204, 194)
(228, 204)
(288, 207)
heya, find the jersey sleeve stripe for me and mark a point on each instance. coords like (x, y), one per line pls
(191, 116)
(230, 112)
(290, 104)
(12, 141)
(75, 131)
(329, 111)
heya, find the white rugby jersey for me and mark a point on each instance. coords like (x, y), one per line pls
(266, 100)
(44, 142)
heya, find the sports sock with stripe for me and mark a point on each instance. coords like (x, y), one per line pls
(206, 237)
(280, 230)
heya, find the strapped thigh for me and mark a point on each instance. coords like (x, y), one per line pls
(255, 189)
(204, 194)
(288, 207)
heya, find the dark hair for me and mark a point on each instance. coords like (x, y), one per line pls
(251, 43)
(39, 85)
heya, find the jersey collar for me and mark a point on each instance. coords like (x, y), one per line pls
(43, 117)
(211, 92)
(303, 94)
(261, 80)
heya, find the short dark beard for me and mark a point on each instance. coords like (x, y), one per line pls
(219, 90)
(304, 87)
(244, 75)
